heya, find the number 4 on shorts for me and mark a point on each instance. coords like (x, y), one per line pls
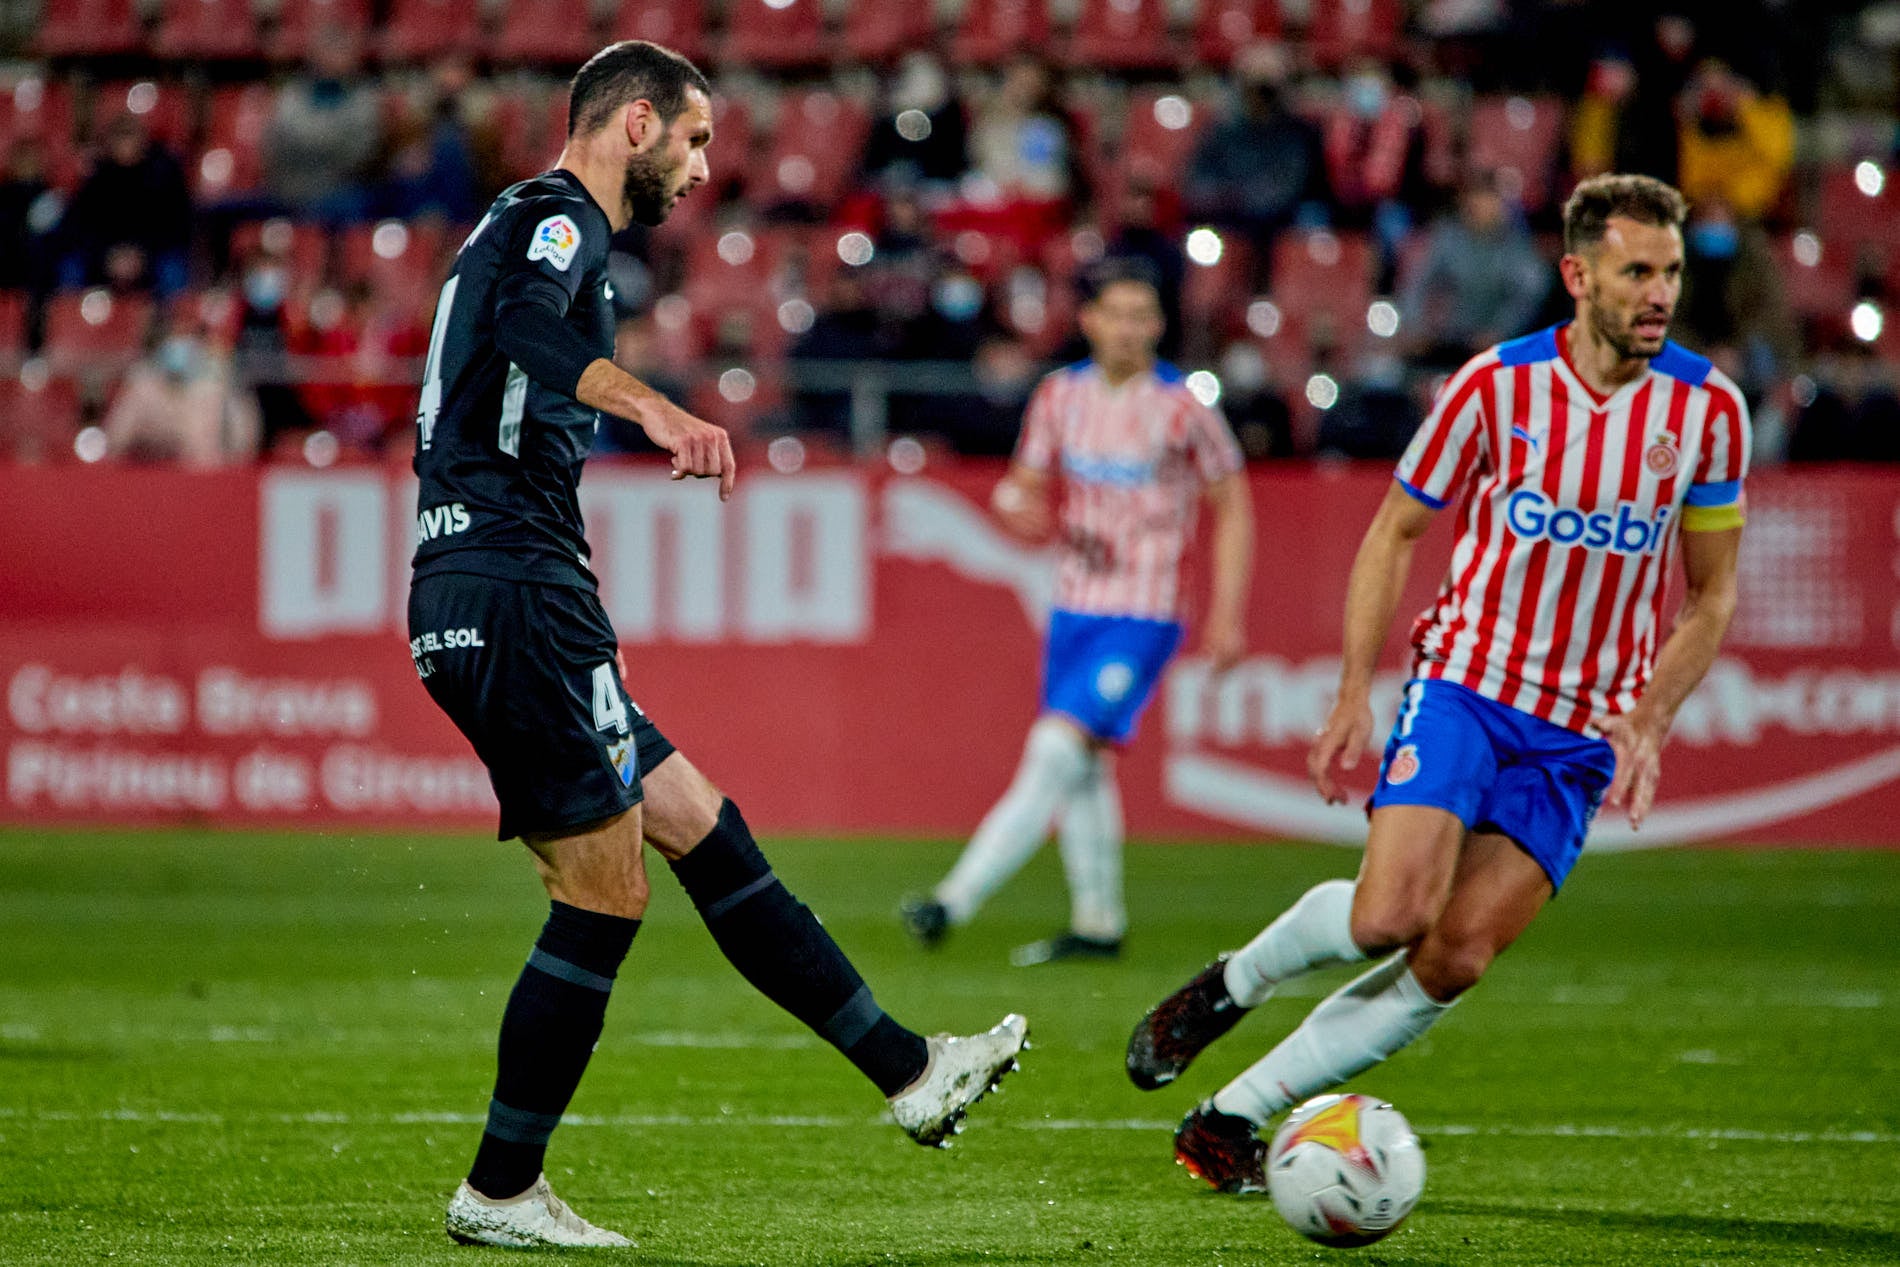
(609, 711)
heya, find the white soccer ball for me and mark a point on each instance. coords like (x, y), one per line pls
(1345, 1170)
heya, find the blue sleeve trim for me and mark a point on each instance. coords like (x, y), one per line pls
(1679, 362)
(1725, 493)
(1530, 349)
(1424, 497)
(1168, 372)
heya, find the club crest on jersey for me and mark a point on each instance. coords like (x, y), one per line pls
(620, 753)
(555, 240)
(1404, 767)
(1662, 457)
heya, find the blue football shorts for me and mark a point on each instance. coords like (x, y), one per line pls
(1498, 769)
(1101, 671)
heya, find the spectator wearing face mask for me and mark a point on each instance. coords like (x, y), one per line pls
(1735, 143)
(180, 405)
(1262, 168)
(1734, 309)
(1375, 153)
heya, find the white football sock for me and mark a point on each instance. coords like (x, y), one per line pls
(1090, 834)
(1351, 1030)
(1312, 933)
(1055, 760)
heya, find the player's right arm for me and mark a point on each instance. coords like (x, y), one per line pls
(1021, 498)
(1449, 449)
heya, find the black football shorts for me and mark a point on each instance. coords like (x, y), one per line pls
(528, 673)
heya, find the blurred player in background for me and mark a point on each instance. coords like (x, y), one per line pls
(509, 637)
(1585, 459)
(1134, 452)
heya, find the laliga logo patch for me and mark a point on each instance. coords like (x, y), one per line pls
(1113, 680)
(555, 240)
(1404, 767)
(620, 753)
(1662, 458)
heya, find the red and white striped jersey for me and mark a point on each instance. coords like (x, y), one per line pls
(1571, 507)
(1133, 461)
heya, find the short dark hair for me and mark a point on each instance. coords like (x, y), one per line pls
(1115, 269)
(1643, 199)
(630, 71)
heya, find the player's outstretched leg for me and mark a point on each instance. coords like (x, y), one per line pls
(1314, 932)
(1089, 833)
(1055, 762)
(779, 946)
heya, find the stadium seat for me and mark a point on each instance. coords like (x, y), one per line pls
(89, 28)
(230, 160)
(299, 22)
(678, 24)
(38, 418)
(1339, 30)
(12, 329)
(417, 30)
(730, 269)
(400, 261)
(1518, 138)
(1126, 35)
(96, 332)
(778, 34)
(1223, 27)
(33, 105)
(304, 247)
(1159, 134)
(556, 33)
(164, 107)
(739, 405)
(1817, 275)
(814, 151)
(206, 30)
(991, 30)
(1322, 285)
(1215, 295)
(1851, 218)
(880, 30)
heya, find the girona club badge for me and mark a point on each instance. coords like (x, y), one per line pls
(1662, 457)
(1404, 767)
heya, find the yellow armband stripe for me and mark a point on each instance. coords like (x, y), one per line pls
(1712, 518)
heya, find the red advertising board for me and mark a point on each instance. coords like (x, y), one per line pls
(843, 650)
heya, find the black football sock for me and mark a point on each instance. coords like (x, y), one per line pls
(778, 945)
(548, 1031)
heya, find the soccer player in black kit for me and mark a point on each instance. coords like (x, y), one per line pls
(510, 639)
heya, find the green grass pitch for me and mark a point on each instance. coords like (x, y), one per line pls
(227, 1048)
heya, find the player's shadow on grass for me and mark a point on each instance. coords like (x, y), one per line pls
(1880, 1246)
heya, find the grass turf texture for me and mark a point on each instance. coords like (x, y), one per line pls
(271, 1049)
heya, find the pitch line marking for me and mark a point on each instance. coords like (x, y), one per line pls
(1556, 1130)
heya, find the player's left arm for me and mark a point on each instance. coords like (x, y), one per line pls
(1225, 638)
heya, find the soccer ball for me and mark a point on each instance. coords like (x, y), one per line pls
(1345, 1170)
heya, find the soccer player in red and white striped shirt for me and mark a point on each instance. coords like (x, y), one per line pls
(1134, 453)
(1585, 460)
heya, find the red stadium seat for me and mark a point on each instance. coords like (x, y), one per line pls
(231, 159)
(1518, 138)
(95, 332)
(12, 329)
(400, 261)
(38, 419)
(1343, 29)
(741, 401)
(880, 30)
(1852, 218)
(544, 32)
(780, 34)
(300, 22)
(89, 28)
(1127, 35)
(417, 30)
(678, 24)
(991, 30)
(814, 150)
(1215, 295)
(1159, 135)
(1322, 284)
(731, 269)
(1223, 27)
(305, 248)
(36, 106)
(165, 108)
(206, 30)
(1817, 273)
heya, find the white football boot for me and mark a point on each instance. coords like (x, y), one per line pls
(961, 1071)
(535, 1218)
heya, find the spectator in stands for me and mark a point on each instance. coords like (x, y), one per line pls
(181, 405)
(432, 169)
(1735, 143)
(262, 350)
(321, 144)
(1025, 148)
(1263, 167)
(1854, 415)
(30, 212)
(1145, 231)
(1375, 154)
(846, 328)
(920, 137)
(367, 350)
(130, 221)
(1733, 307)
(1481, 280)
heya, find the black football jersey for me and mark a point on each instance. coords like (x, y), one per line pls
(499, 453)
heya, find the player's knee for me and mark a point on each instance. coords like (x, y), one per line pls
(1447, 967)
(1382, 923)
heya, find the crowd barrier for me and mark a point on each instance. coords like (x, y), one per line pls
(844, 650)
